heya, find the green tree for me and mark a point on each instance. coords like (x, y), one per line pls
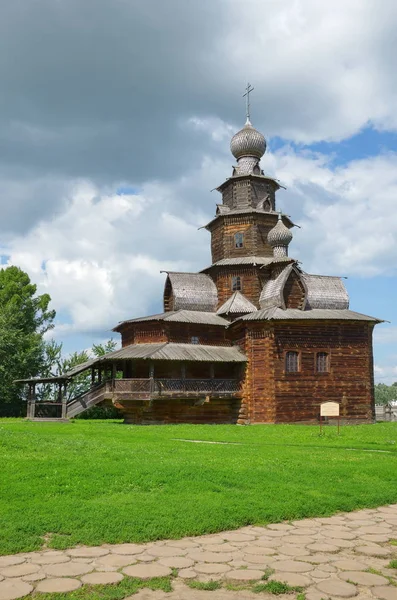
(385, 394)
(24, 319)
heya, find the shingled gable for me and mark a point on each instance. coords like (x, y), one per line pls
(321, 291)
(190, 291)
(237, 304)
(325, 292)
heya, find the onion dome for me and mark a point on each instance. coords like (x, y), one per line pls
(248, 142)
(279, 238)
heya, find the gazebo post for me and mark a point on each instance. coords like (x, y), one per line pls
(29, 408)
(183, 376)
(62, 398)
(151, 376)
(92, 376)
(33, 402)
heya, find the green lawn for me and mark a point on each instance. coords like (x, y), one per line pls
(89, 482)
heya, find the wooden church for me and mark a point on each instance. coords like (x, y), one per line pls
(252, 338)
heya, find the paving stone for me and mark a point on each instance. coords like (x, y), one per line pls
(187, 574)
(292, 550)
(342, 543)
(363, 578)
(268, 542)
(341, 535)
(144, 557)
(58, 585)
(303, 531)
(211, 557)
(115, 560)
(88, 552)
(210, 539)
(391, 521)
(1, 577)
(127, 548)
(69, 569)
(12, 559)
(244, 575)
(293, 579)
(211, 568)
(317, 559)
(10, 589)
(254, 559)
(384, 592)
(320, 574)
(302, 540)
(374, 529)
(271, 533)
(322, 547)
(259, 550)
(313, 594)
(183, 544)
(293, 566)
(240, 537)
(305, 523)
(102, 578)
(147, 571)
(218, 548)
(33, 577)
(373, 550)
(167, 551)
(347, 564)
(50, 559)
(336, 587)
(377, 539)
(329, 568)
(20, 570)
(176, 562)
(280, 527)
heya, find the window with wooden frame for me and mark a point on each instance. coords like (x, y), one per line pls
(195, 339)
(322, 362)
(236, 283)
(239, 240)
(292, 362)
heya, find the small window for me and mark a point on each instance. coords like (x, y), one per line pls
(236, 283)
(291, 362)
(195, 339)
(322, 362)
(239, 240)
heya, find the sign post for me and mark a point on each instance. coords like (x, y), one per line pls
(329, 409)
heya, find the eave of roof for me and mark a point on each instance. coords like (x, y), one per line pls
(263, 261)
(249, 176)
(180, 316)
(279, 314)
(174, 351)
(246, 211)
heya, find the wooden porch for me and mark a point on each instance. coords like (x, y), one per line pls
(118, 391)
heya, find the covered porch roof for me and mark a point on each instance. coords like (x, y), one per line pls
(158, 351)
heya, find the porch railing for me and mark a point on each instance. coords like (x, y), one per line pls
(158, 387)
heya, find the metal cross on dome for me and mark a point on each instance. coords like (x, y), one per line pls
(248, 90)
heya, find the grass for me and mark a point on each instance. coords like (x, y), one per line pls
(208, 586)
(275, 587)
(115, 591)
(392, 564)
(92, 482)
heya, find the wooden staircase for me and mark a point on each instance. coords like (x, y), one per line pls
(63, 411)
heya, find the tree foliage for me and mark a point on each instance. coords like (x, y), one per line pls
(24, 319)
(385, 394)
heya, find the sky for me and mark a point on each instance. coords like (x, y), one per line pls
(115, 123)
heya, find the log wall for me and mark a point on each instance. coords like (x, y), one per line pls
(274, 396)
(150, 332)
(163, 411)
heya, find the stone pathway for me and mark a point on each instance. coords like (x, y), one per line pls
(342, 556)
